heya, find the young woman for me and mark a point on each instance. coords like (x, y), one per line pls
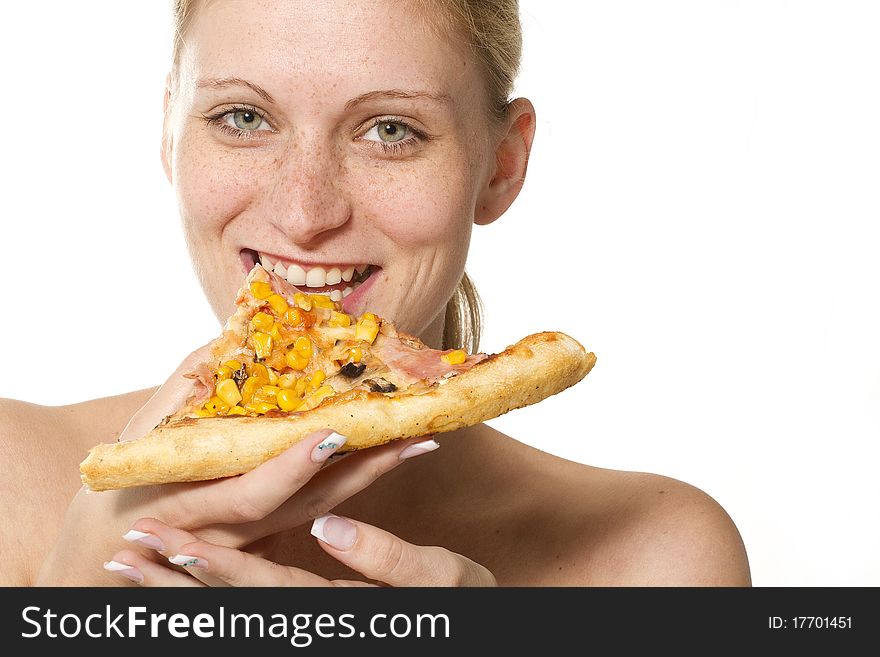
(365, 136)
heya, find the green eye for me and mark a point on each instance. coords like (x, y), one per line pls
(391, 132)
(247, 120)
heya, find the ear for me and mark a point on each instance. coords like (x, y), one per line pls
(511, 162)
(167, 142)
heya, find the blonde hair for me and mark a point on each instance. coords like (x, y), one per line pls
(492, 31)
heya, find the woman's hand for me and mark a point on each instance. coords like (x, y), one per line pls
(284, 492)
(375, 553)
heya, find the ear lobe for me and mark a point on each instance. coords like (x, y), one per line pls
(167, 142)
(511, 162)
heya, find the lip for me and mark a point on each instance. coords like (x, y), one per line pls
(248, 259)
(351, 304)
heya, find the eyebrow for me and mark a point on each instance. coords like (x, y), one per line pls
(223, 83)
(396, 93)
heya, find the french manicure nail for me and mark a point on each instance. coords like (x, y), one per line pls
(419, 448)
(335, 531)
(188, 561)
(322, 451)
(125, 570)
(145, 539)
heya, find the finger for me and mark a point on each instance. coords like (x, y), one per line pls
(166, 541)
(334, 484)
(353, 584)
(138, 568)
(167, 399)
(237, 568)
(254, 495)
(383, 556)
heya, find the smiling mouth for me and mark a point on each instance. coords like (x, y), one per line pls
(335, 280)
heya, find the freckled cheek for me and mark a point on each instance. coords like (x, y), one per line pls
(415, 208)
(211, 189)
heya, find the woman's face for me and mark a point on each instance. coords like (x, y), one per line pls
(328, 136)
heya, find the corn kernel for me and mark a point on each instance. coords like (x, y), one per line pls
(301, 385)
(217, 405)
(223, 373)
(249, 387)
(262, 345)
(322, 301)
(288, 401)
(294, 316)
(355, 354)
(234, 365)
(367, 329)
(316, 398)
(236, 410)
(371, 317)
(273, 377)
(261, 289)
(339, 319)
(266, 394)
(260, 408)
(456, 357)
(303, 345)
(275, 332)
(260, 371)
(317, 379)
(278, 303)
(286, 381)
(203, 412)
(325, 391)
(302, 300)
(228, 392)
(262, 322)
(296, 361)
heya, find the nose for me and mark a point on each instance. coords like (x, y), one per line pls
(308, 197)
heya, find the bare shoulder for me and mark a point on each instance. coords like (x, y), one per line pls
(579, 525)
(32, 443)
(41, 448)
(36, 438)
(667, 533)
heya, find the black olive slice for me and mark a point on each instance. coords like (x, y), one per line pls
(353, 370)
(380, 385)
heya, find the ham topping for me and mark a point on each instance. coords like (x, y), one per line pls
(419, 364)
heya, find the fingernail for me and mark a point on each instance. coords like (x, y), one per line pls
(142, 538)
(187, 561)
(322, 451)
(125, 570)
(419, 448)
(335, 531)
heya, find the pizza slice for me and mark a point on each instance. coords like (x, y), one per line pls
(289, 363)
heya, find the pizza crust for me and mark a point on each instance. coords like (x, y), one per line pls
(533, 369)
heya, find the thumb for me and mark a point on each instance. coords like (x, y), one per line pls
(170, 396)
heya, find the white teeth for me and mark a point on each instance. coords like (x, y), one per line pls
(347, 291)
(296, 275)
(334, 276)
(316, 277)
(336, 295)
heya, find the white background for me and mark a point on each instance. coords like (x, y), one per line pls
(701, 211)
